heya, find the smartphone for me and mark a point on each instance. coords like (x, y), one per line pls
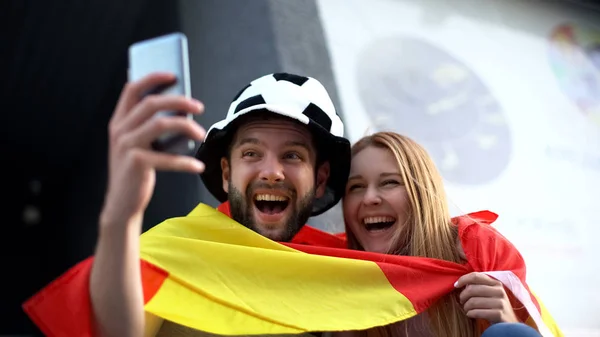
(168, 53)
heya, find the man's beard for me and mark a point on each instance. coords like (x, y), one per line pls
(241, 207)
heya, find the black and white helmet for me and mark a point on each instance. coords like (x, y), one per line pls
(300, 98)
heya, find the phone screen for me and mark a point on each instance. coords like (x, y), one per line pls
(167, 53)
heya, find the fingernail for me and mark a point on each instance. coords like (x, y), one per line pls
(456, 284)
(199, 104)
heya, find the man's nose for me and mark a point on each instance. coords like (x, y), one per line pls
(371, 196)
(271, 170)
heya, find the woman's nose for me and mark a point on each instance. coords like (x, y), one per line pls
(371, 197)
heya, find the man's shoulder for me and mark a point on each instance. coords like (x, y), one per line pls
(202, 208)
(306, 236)
(315, 237)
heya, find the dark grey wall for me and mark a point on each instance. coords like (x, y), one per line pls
(64, 64)
(233, 42)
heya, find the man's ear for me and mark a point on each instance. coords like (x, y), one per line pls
(322, 177)
(225, 174)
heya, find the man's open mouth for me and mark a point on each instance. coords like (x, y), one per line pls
(378, 223)
(270, 203)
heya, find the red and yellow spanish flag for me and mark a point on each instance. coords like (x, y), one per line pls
(208, 263)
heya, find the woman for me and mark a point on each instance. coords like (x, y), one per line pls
(395, 203)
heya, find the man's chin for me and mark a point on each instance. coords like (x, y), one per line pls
(272, 226)
(275, 232)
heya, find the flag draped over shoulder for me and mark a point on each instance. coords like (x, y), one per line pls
(206, 271)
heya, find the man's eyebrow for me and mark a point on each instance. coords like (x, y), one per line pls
(256, 141)
(247, 140)
(298, 143)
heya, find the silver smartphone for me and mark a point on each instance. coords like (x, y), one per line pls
(168, 53)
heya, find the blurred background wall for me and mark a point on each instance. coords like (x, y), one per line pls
(504, 94)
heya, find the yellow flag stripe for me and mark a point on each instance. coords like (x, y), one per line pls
(227, 283)
(547, 318)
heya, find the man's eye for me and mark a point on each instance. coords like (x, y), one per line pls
(292, 155)
(249, 154)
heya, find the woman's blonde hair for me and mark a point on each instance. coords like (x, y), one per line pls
(429, 231)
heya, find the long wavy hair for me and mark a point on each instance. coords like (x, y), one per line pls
(429, 231)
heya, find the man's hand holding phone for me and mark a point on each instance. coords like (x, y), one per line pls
(152, 128)
(132, 161)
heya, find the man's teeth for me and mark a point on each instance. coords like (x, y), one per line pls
(270, 197)
(378, 219)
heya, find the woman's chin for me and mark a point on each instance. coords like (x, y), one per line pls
(377, 248)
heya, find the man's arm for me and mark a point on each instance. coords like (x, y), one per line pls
(115, 285)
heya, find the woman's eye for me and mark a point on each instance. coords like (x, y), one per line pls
(390, 183)
(354, 187)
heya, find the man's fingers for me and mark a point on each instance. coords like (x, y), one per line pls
(164, 161)
(479, 290)
(476, 278)
(152, 104)
(133, 92)
(143, 136)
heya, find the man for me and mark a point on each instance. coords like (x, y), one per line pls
(270, 158)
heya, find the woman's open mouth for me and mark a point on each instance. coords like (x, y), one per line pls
(378, 223)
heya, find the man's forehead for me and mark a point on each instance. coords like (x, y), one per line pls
(280, 128)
